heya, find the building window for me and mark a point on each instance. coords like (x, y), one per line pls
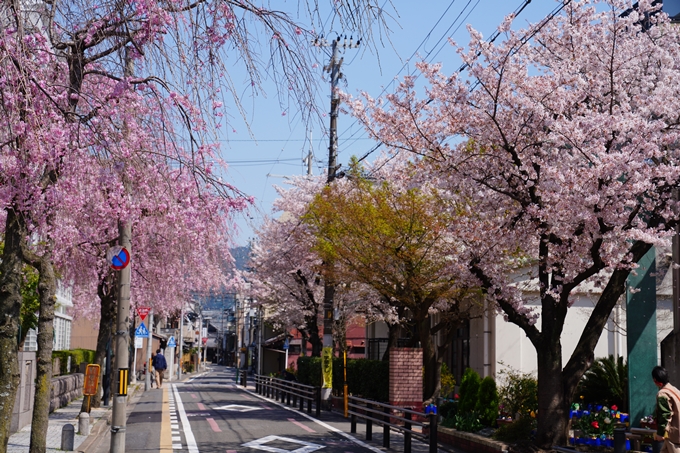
(460, 352)
(31, 342)
(62, 333)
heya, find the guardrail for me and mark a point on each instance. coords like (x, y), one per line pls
(289, 391)
(384, 414)
(636, 436)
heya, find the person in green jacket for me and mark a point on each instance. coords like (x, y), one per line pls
(667, 412)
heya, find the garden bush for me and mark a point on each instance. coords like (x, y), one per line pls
(448, 382)
(468, 422)
(448, 409)
(78, 356)
(487, 402)
(605, 383)
(517, 431)
(365, 378)
(469, 391)
(518, 393)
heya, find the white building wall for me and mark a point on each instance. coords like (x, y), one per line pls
(514, 350)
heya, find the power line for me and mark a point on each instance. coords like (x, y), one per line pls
(523, 41)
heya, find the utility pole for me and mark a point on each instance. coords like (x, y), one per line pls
(180, 346)
(122, 339)
(122, 335)
(333, 68)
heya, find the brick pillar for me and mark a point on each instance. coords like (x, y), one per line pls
(406, 377)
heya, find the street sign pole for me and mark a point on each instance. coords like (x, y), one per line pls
(149, 348)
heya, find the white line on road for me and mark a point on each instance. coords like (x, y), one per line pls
(318, 422)
(188, 435)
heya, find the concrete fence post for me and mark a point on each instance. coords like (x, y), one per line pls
(67, 437)
(84, 424)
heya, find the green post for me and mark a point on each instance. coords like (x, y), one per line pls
(641, 338)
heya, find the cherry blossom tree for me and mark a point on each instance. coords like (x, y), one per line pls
(559, 146)
(77, 79)
(286, 272)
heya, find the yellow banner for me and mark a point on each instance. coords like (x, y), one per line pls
(327, 367)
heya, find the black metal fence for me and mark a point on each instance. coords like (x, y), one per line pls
(289, 392)
(393, 417)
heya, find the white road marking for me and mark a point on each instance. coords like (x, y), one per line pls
(318, 422)
(188, 435)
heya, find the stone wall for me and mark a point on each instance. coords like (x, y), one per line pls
(66, 389)
(406, 377)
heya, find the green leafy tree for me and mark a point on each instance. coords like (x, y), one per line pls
(30, 300)
(394, 240)
(30, 304)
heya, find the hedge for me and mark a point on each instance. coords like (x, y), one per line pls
(78, 356)
(366, 378)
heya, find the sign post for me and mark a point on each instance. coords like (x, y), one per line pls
(91, 382)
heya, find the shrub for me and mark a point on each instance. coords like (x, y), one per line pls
(365, 378)
(448, 382)
(448, 409)
(469, 391)
(518, 393)
(517, 431)
(487, 402)
(77, 356)
(606, 383)
(468, 422)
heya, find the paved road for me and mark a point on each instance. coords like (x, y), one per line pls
(215, 415)
(210, 413)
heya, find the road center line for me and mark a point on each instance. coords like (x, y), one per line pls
(188, 435)
(213, 425)
(305, 427)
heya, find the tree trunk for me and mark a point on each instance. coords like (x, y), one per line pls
(431, 362)
(553, 404)
(10, 308)
(394, 333)
(314, 338)
(107, 313)
(47, 288)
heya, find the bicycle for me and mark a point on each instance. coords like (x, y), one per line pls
(142, 373)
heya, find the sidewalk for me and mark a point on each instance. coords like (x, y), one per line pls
(20, 441)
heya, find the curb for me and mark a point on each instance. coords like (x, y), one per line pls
(100, 429)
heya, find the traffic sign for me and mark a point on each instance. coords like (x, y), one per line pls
(143, 312)
(91, 379)
(139, 342)
(171, 342)
(286, 344)
(118, 257)
(142, 331)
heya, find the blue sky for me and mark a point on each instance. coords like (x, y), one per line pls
(280, 142)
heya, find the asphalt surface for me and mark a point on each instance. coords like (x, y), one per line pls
(210, 413)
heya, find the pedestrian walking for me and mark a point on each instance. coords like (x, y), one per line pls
(160, 365)
(667, 412)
